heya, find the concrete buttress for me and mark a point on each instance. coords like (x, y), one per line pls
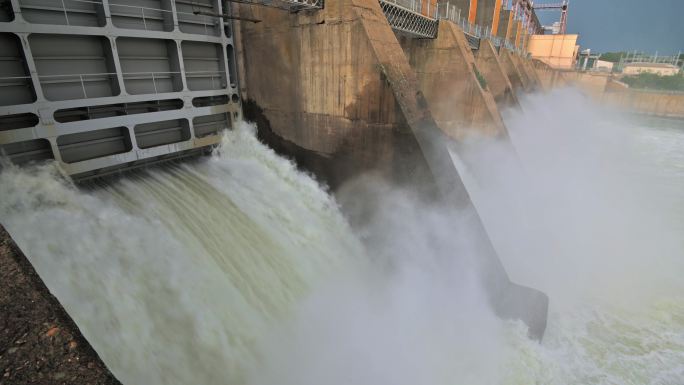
(317, 83)
(526, 80)
(512, 70)
(545, 73)
(448, 77)
(528, 72)
(487, 61)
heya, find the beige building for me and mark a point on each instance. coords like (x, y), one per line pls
(558, 51)
(604, 66)
(662, 69)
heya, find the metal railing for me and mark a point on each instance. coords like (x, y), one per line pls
(147, 13)
(305, 4)
(213, 75)
(187, 16)
(474, 32)
(421, 7)
(205, 20)
(141, 9)
(153, 76)
(217, 79)
(407, 16)
(66, 11)
(12, 81)
(81, 79)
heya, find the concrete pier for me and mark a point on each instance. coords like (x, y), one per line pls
(512, 71)
(341, 94)
(489, 64)
(528, 72)
(333, 89)
(460, 102)
(527, 81)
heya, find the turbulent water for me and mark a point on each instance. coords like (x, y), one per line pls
(589, 210)
(238, 269)
(172, 274)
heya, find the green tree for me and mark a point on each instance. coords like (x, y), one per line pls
(656, 82)
(613, 57)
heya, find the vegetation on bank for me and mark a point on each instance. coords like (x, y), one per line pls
(656, 82)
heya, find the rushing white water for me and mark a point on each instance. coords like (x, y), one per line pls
(172, 274)
(240, 270)
(589, 211)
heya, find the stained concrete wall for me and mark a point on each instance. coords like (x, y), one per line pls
(316, 86)
(662, 104)
(603, 87)
(606, 89)
(489, 64)
(593, 84)
(446, 71)
(334, 89)
(339, 94)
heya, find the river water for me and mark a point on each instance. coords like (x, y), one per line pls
(239, 269)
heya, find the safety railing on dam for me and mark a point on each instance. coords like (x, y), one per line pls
(420, 18)
(305, 4)
(474, 33)
(416, 18)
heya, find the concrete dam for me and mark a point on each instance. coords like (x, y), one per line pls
(161, 172)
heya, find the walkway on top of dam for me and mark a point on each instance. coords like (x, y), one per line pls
(414, 18)
(420, 19)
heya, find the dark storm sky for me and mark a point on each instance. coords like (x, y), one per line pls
(614, 25)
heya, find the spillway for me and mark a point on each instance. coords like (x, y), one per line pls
(172, 273)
